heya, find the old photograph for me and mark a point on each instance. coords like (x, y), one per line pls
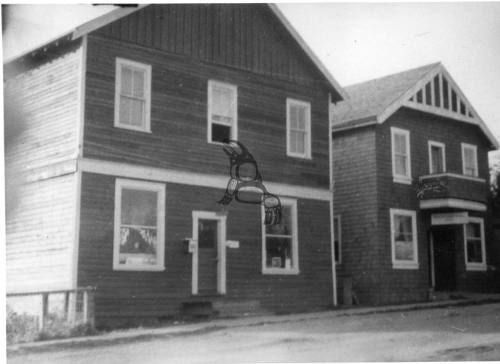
(252, 182)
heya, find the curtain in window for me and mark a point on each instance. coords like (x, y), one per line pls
(474, 249)
(400, 154)
(470, 162)
(298, 132)
(132, 96)
(279, 242)
(403, 237)
(437, 159)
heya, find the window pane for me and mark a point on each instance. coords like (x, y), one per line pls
(285, 226)
(474, 253)
(297, 142)
(221, 133)
(125, 109)
(138, 246)
(279, 252)
(437, 159)
(126, 81)
(222, 102)
(139, 208)
(473, 230)
(207, 233)
(400, 161)
(400, 144)
(294, 117)
(136, 112)
(469, 162)
(139, 83)
(301, 118)
(403, 237)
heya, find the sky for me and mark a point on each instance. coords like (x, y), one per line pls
(355, 41)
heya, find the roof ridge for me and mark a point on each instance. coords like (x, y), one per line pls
(397, 74)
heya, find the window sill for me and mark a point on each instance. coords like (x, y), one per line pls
(138, 268)
(475, 267)
(128, 127)
(403, 180)
(405, 265)
(279, 271)
(299, 156)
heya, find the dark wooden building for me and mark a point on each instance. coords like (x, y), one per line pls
(114, 161)
(410, 165)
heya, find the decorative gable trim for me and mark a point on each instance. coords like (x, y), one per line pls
(437, 93)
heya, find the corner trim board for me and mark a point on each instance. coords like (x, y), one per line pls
(191, 178)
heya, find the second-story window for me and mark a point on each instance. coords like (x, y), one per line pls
(469, 160)
(401, 163)
(222, 112)
(298, 128)
(437, 162)
(132, 95)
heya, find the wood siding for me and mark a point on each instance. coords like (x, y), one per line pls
(243, 36)
(423, 127)
(40, 232)
(355, 200)
(42, 112)
(132, 294)
(41, 128)
(179, 107)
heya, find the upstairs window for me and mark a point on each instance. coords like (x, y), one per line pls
(222, 112)
(401, 163)
(474, 245)
(280, 242)
(404, 239)
(132, 95)
(139, 230)
(469, 160)
(298, 126)
(437, 162)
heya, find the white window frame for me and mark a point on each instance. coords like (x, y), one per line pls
(475, 266)
(337, 225)
(307, 147)
(144, 186)
(295, 241)
(234, 124)
(404, 264)
(433, 143)
(147, 94)
(399, 178)
(474, 148)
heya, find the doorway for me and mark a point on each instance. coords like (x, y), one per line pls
(209, 258)
(444, 246)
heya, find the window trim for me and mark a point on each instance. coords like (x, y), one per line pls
(431, 144)
(404, 264)
(295, 241)
(475, 266)
(147, 94)
(338, 227)
(121, 183)
(474, 148)
(307, 150)
(234, 127)
(398, 178)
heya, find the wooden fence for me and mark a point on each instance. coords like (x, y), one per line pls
(71, 300)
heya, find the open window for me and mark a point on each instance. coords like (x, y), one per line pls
(222, 112)
(139, 230)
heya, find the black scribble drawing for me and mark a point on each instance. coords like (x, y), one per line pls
(245, 177)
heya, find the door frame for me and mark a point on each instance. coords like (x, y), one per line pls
(221, 250)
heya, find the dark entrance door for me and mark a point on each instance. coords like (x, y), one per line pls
(444, 240)
(207, 256)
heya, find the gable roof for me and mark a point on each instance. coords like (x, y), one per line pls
(429, 88)
(121, 12)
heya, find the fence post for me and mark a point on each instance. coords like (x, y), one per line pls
(45, 310)
(88, 307)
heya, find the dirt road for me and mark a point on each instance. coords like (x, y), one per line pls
(455, 333)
